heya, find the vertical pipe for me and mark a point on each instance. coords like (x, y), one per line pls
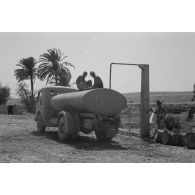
(110, 75)
(129, 112)
(145, 102)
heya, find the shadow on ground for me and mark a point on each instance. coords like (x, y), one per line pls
(83, 142)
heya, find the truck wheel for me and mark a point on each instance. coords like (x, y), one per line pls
(105, 131)
(66, 130)
(40, 125)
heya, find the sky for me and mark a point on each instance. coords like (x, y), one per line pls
(171, 57)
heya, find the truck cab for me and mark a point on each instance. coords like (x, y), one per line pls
(43, 107)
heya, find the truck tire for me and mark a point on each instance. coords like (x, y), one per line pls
(106, 131)
(67, 130)
(40, 125)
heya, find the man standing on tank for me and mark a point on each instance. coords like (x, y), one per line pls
(97, 81)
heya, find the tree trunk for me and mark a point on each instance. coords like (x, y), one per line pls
(32, 88)
(32, 94)
(56, 79)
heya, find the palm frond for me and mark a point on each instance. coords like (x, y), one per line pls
(27, 69)
(52, 66)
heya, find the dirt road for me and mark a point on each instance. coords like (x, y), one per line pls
(20, 142)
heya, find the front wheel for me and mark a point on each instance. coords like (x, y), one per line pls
(67, 126)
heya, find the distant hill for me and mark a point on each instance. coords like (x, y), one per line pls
(167, 97)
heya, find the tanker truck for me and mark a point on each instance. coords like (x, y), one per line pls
(74, 111)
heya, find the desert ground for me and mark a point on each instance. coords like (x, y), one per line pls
(20, 142)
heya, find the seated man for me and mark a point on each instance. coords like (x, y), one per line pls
(97, 81)
(81, 83)
(89, 84)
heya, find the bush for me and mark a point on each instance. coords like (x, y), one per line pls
(4, 94)
(172, 122)
(24, 95)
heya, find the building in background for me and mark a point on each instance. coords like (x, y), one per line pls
(12, 107)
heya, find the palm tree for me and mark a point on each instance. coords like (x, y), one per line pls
(54, 68)
(27, 71)
(64, 78)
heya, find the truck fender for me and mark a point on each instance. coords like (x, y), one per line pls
(62, 113)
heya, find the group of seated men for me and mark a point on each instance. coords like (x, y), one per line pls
(82, 84)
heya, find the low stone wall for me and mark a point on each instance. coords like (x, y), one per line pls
(16, 109)
(3, 109)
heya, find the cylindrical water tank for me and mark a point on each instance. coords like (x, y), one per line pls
(100, 101)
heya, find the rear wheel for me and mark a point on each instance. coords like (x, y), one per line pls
(106, 131)
(40, 125)
(67, 126)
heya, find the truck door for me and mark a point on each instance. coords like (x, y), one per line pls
(39, 102)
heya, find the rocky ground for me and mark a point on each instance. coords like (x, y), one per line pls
(20, 142)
